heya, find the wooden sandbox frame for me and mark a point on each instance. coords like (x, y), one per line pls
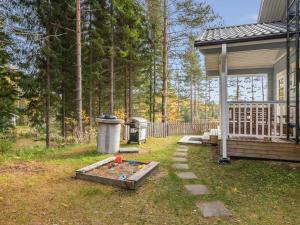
(131, 182)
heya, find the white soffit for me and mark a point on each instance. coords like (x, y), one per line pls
(272, 11)
(244, 60)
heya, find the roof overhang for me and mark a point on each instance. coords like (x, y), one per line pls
(245, 57)
(241, 33)
(240, 40)
(272, 10)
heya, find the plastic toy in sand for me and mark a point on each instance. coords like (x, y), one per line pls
(118, 159)
(132, 163)
(122, 177)
(141, 166)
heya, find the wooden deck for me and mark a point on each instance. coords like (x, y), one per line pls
(277, 149)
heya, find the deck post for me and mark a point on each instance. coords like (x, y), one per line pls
(223, 70)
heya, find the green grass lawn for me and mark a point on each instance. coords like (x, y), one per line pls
(37, 187)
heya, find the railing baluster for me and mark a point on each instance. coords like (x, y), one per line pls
(269, 119)
(239, 119)
(256, 120)
(275, 119)
(263, 119)
(233, 117)
(245, 119)
(251, 115)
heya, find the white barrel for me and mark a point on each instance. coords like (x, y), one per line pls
(108, 138)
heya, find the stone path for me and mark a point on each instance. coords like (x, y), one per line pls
(181, 150)
(178, 159)
(186, 175)
(180, 154)
(207, 209)
(180, 166)
(213, 209)
(197, 189)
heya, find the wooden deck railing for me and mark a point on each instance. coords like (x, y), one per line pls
(171, 129)
(257, 119)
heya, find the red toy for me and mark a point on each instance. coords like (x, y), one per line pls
(118, 159)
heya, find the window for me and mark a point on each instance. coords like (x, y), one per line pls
(247, 87)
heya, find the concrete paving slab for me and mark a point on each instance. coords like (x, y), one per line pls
(129, 150)
(176, 154)
(181, 150)
(183, 147)
(186, 175)
(178, 159)
(197, 189)
(180, 166)
(213, 209)
(190, 140)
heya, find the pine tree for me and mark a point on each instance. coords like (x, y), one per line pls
(8, 83)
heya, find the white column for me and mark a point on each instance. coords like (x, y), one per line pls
(223, 99)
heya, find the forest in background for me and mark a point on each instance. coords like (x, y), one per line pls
(136, 59)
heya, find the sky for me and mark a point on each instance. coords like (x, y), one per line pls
(235, 12)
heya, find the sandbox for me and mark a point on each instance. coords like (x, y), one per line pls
(129, 174)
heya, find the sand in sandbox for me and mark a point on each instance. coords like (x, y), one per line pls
(114, 171)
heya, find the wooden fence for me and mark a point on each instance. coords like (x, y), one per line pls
(172, 129)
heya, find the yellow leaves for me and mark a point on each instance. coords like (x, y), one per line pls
(234, 190)
(120, 114)
(65, 205)
(9, 81)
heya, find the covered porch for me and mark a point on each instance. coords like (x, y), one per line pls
(252, 126)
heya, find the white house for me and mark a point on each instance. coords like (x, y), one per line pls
(268, 128)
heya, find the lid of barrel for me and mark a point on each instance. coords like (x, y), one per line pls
(138, 120)
(112, 119)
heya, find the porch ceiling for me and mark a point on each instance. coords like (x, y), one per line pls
(264, 58)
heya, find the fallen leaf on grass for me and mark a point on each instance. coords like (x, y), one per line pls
(65, 205)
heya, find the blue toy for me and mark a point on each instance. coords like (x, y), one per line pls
(122, 177)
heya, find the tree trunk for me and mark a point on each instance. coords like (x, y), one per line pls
(130, 89)
(48, 99)
(178, 96)
(112, 76)
(154, 86)
(48, 82)
(126, 94)
(90, 80)
(99, 99)
(63, 112)
(165, 63)
(191, 100)
(78, 72)
(150, 96)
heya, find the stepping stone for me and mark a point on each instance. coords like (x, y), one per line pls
(213, 209)
(177, 159)
(186, 175)
(179, 154)
(181, 150)
(182, 147)
(197, 189)
(180, 166)
(129, 150)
